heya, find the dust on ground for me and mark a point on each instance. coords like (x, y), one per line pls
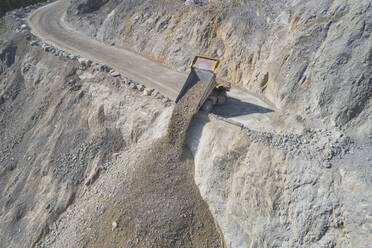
(163, 207)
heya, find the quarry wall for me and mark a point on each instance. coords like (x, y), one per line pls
(70, 135)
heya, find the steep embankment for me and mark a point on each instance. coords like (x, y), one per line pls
(269, 190)
(312, 58)
(6, 6)
(155, 203)
(74, 138)
(59, 126)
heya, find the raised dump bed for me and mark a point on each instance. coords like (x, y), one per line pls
(203, 70)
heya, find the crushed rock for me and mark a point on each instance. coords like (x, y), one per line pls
(148, 198)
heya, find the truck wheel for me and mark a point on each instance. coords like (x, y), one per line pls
(207, 106)
(222, 98)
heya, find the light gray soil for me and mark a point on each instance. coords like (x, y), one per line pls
(87, 159)
(162, 206)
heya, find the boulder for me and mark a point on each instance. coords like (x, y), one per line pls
(165, 100)
(140, 87)
(26, 67)
(155, 93)
(127, 81)
(147, 92)
(115, 74)
(83, 62)
(191, 2)
(34, 43)
(46, 47)
(104, 68)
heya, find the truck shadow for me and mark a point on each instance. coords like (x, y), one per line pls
(234, 107)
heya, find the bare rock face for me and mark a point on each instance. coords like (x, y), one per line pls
(326, 60)
(312, 59)
(88, 6)
(58, 130)
(7, 53)
(267, 195)
(7, 5)
(307, 57)
(62, 130)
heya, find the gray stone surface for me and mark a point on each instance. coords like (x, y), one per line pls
(115, 74)
(265, 189)
(57, 135)
(87, 6)
(312, 59)
(8, 53)
(140, 87)
(307, 57)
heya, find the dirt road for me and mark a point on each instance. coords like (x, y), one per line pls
(48, 23)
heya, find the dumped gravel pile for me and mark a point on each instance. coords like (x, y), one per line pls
(183, 113)
(161, 206)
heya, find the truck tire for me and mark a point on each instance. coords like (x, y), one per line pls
(222, 98)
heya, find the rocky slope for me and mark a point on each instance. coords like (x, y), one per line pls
(59, 130)
(73, 135)
(147, 199)
(308, 57)
(312, 59)
(269, 190)
(6, 6)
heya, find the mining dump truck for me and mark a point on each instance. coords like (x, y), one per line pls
(203, 70)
